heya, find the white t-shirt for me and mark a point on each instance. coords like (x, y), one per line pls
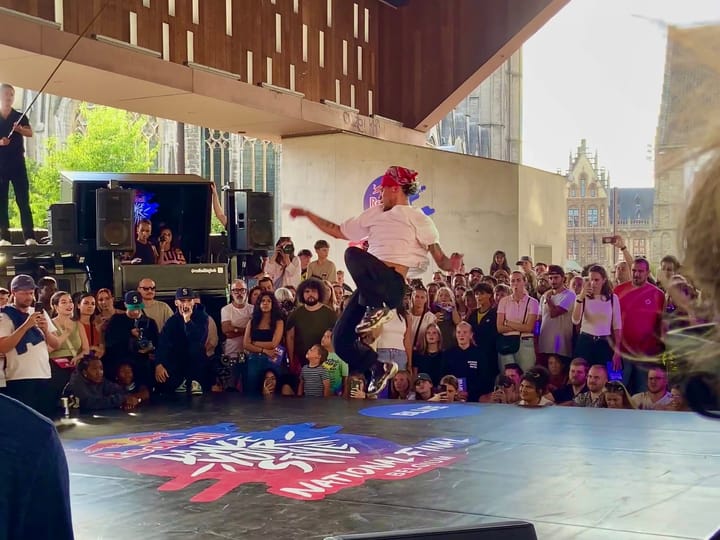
(644, 401)
(598, 315)
(401, 235)
(34, 363)
(238, 317)
(393, 333)
(292, 275)
(556, 334)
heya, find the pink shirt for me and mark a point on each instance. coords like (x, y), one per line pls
(641, 308)
(515, 311)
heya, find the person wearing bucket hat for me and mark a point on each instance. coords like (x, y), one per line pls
(181, 363)
(25, 336)
(132, 337)
(400, 238)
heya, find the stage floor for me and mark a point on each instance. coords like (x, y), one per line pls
(575, 473)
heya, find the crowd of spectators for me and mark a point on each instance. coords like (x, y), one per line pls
(533, 336)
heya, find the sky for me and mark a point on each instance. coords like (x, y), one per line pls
(595, 72)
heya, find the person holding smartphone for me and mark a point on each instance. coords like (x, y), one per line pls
(597, 311)
(25, 335)
(284, 268)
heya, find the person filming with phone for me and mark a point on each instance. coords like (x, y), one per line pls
(26, 333)
(597, 311)
(284, 268)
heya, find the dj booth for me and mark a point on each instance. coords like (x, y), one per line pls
(93, 227)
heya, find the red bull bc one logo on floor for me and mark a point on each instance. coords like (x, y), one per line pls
(297, 461)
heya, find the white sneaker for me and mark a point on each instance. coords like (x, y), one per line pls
(196, 389)
(31, 242)
(5, 243)
(182, 388)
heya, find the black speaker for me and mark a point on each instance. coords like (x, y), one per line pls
(509, 530)
(251, 220)
(62, 224)
(115, 222)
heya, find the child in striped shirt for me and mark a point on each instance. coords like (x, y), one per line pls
(314, 378)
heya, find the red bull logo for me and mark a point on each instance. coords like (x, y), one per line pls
(297, 461)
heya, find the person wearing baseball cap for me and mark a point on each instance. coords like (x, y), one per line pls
(25, 335)
(181, 361)
(132, 337)
(399, 239)
(526, 263)
(556, 328)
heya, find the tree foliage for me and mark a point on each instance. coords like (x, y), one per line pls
(112, 141)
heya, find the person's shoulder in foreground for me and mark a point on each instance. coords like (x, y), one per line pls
(34, 483)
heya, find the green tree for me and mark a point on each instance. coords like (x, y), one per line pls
(112, 142)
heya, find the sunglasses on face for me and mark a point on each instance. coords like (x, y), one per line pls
(238, 291)
(148, 288)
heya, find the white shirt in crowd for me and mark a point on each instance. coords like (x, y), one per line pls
(238, 317)
(290, 277)
(600, 317)
(556, 335)
(644, 401)
(400, 235)
(515, 311)
(393, 333)
(32, 364)
(418, 325)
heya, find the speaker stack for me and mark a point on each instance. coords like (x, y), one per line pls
(62, 225)
(115, 224)
(251, 220)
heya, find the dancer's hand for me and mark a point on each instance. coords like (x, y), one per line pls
(456, 262)
(4, 141)
(296, 212)
(17, 128)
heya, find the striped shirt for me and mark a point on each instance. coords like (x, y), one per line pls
(313, 378)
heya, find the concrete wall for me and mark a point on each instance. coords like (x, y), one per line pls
(475, 200)
(542, 221)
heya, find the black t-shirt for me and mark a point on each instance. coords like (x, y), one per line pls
(471, 365)
(431, 363)
(13, 153)
(34, 485)
(144, 252)
(565, 393)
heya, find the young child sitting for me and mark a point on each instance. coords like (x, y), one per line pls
(314, 379)
(88, 384)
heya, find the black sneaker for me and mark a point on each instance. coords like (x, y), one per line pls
(380, 378)
(373, 318)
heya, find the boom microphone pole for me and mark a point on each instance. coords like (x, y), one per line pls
(54, 71)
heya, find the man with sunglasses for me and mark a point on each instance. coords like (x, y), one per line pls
(234, 318)
(158, 311)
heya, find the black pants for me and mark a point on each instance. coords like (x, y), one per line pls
(35, 393)
(188, 368)
(17, 174)
(377, 285)
(594, 349)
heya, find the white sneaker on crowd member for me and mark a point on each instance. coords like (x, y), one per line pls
(31, 242)
(5, 243)
(182, 388)
(196, 388)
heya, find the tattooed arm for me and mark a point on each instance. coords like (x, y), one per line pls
(328, 227)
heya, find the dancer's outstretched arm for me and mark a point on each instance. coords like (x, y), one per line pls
(328, 227)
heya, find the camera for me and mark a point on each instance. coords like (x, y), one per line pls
(288, 249)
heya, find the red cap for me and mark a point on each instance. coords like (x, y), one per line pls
(398, 176)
